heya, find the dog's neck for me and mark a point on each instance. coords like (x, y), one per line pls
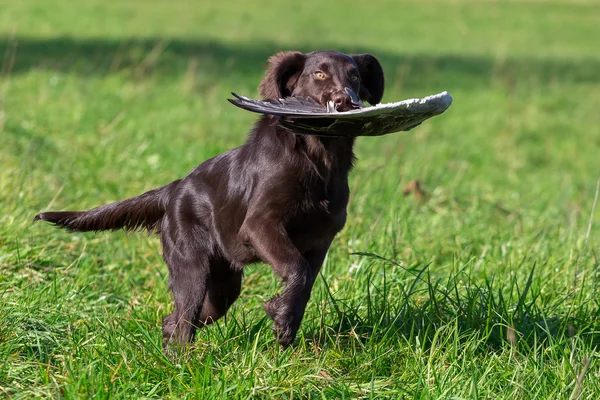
(327, 154)
(331, 153)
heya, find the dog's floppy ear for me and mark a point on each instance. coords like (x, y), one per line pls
(371, 78)
(283, 73)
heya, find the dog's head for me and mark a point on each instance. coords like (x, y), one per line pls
(324, 76)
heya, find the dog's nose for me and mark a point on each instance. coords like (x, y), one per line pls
(341, 101)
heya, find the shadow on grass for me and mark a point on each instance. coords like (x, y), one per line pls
(141, 57)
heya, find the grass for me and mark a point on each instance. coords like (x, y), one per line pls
(485, 288)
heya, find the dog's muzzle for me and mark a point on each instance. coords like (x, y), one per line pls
(345, 98)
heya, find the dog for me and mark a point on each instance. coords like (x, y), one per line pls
(279, 199)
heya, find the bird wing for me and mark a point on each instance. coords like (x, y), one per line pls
(306, 116)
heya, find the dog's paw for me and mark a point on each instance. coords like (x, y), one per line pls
(285, 321)
(284, 332)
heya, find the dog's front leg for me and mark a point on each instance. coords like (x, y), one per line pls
(274, 247)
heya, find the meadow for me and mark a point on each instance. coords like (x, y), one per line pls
(485, 284)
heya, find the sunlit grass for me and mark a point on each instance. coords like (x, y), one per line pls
(484, 287)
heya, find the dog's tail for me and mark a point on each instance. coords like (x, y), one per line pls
(143, 212)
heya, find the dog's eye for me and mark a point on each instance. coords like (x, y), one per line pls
(354, 78)
(320, 75)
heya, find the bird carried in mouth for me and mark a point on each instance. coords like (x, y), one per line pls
(308, 117)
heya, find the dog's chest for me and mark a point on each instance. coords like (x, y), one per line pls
(321, 215)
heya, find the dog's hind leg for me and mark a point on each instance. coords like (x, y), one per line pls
(198, 305)
(188, 285)
(223, 289)
(188, 258)
(203, 293)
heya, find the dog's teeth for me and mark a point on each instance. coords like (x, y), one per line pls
(330, 106)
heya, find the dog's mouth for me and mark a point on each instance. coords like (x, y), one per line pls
(331, 107)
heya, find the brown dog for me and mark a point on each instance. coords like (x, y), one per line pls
(280, 198)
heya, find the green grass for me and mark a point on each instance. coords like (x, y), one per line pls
(486, 289)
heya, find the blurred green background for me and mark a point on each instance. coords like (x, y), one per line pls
(485, 287)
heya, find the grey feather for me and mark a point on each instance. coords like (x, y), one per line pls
(306, 116)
